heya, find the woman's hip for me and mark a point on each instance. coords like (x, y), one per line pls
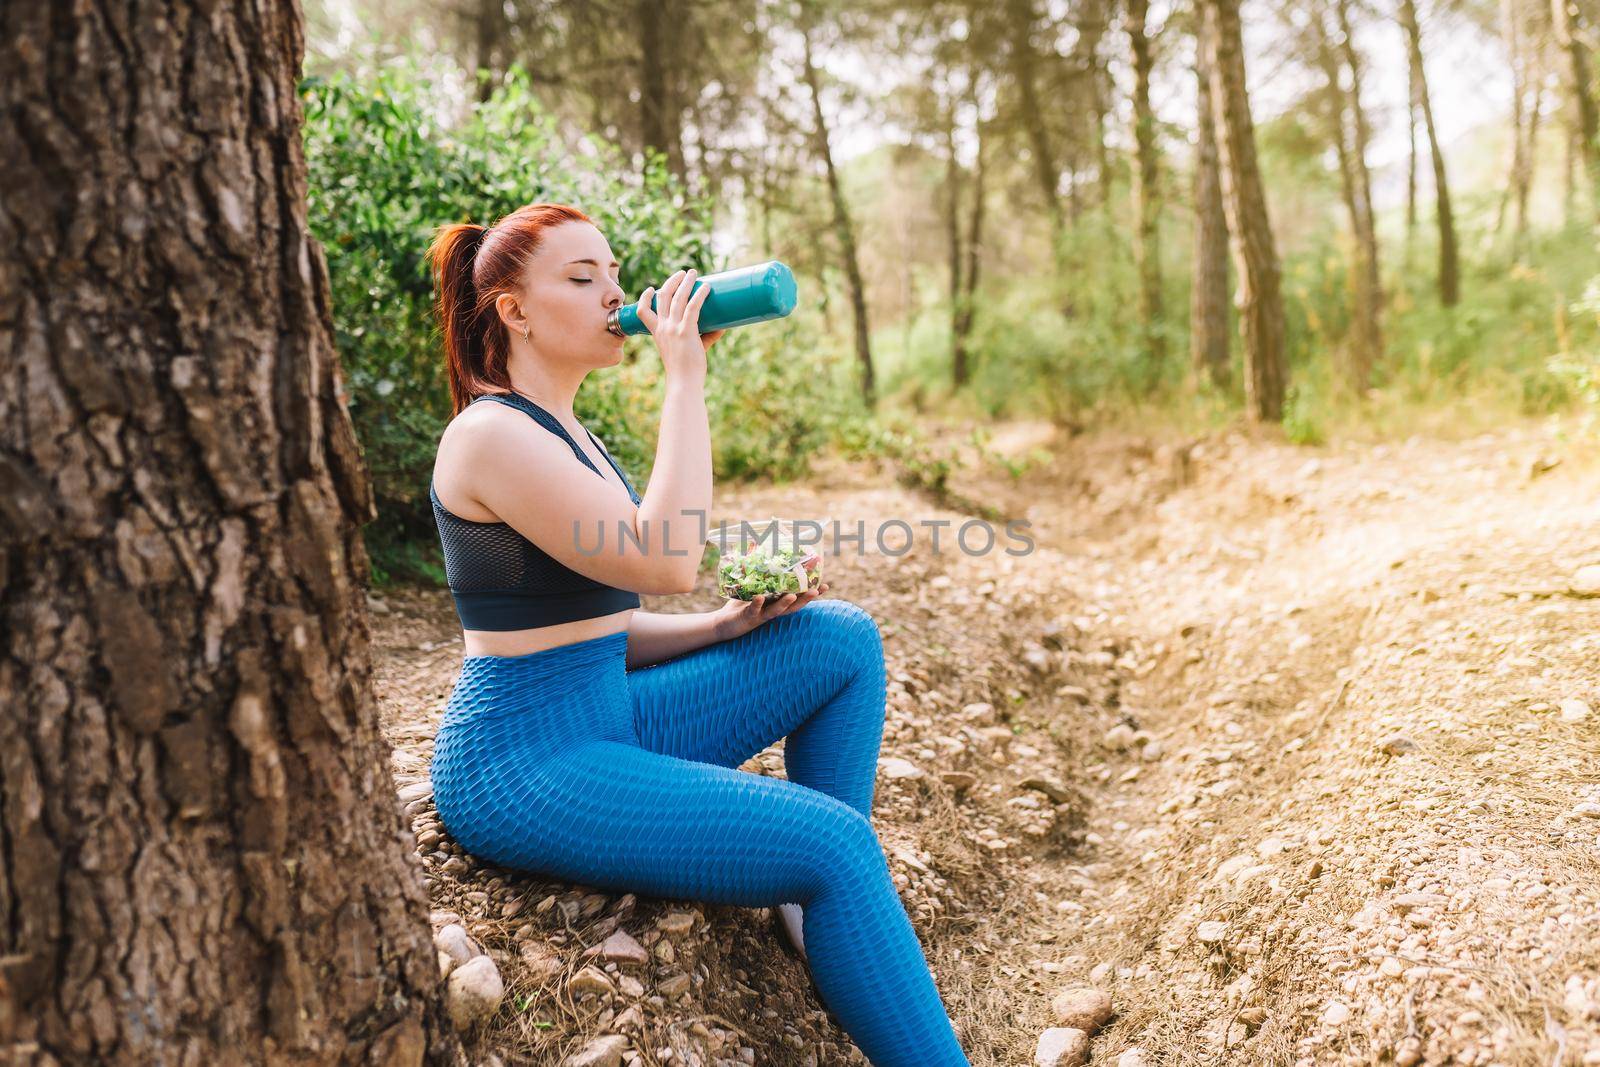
(508, 715)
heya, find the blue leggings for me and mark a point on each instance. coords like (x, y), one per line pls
(565, 763)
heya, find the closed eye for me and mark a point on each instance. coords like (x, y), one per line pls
(581, 281)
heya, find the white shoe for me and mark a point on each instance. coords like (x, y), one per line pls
(790, 914)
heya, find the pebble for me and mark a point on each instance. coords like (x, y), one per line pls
(1082, 1008)
(982, 712)
(1061, 1046)
(473, 991)
(590, 980)
(1049, 787)
(1586, 581)
(1119, 738)
(1335, 1014)
(1211, 931)
(541, 962)
(601, 1052)
(1575, 710)
(671, 987)
(895, 767)
(620, 947)
(1133, 1057)
(1407, 902)
(452, 940)
(960, 781)
(1396, 745)
(676, 922)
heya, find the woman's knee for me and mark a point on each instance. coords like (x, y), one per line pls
(849, 630)
(845, 850)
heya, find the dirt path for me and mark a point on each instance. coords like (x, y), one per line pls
(1371, 832)
(1150, 756)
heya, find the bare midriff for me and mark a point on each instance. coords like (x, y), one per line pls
(522, 642)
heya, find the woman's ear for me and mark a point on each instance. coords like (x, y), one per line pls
(509, 309)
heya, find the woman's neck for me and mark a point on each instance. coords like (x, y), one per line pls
(551, 391)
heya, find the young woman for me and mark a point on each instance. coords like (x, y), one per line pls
(591, 741)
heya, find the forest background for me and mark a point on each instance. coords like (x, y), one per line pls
(994, 210)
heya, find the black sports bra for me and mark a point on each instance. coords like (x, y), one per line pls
(501, 580)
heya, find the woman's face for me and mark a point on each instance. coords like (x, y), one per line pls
(568, 287)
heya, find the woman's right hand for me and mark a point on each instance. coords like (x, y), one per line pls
(676, 325)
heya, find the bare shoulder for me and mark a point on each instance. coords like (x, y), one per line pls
(478, 444)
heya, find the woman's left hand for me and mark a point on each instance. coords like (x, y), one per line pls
(739, 617)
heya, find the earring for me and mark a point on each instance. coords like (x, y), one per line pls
(526, 330)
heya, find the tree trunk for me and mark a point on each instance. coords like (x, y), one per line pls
(969, 276)
(1093, 16)
(952, 186)
(1370, 290)
(1523, 178)
(1146, 190)
(1569, 175)
(844, 229)
(1449, 259)
(1411, 161)
(1045, 168)
(1208, 300)
(680, 85)
(659, 125)
(488, 28)
(1585, 121)
(203, 858)
(1259, 296)
(1363, 352)
(1511, 34)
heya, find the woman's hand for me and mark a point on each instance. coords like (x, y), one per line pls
(675, 325)
(739, 617)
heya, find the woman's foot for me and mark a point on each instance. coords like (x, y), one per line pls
(789, 918)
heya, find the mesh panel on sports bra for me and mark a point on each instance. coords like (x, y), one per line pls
(492, 557)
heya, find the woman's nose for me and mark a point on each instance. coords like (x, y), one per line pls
(615, 297)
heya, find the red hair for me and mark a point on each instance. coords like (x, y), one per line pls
(472, 265)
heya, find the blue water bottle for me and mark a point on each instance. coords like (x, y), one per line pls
(738, 298)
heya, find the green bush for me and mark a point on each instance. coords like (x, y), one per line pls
(1580, 371)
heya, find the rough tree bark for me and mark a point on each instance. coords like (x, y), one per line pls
(1208, 300)
(1449, 258)
(1259, 295)
(201, 856)
(843, 227)
(1146, 188)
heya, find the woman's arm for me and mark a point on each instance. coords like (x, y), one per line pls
(653, 637)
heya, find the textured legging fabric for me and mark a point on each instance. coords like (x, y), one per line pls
(564, 762)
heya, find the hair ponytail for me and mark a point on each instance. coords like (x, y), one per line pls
(452, 256)
(471, 268)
